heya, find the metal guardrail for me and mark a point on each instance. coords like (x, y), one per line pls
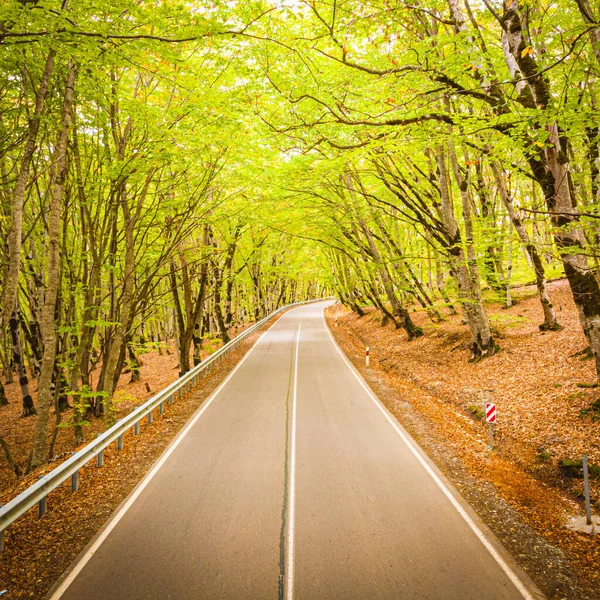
(38, 492)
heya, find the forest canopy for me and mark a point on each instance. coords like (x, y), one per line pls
(172, 170)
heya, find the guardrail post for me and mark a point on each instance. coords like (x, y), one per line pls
(171, 398)
(179, 394)
(161, 408)
(136, 428)
(2, 540)
(75, 481)
(42, 507)
(100, 456)
(150, 417)
(120, 442)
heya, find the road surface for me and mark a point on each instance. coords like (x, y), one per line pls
(292, 482)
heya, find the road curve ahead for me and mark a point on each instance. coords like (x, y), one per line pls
(292, 481)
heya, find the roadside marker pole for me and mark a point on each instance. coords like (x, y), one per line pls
(367, 356)
(586, 486)
(490, 417)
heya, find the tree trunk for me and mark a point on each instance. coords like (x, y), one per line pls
(27, 400)
(413, 331)
(58, 177)
(224, 334)
(3, 398)
(550, 323)
(11, 283)
(482, 342)
(120, 333)
(134, 365)
(13, 465)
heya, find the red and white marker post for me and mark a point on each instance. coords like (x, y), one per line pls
(367, 356)
(490, 417)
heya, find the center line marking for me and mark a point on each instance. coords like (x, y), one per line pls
(289, 591)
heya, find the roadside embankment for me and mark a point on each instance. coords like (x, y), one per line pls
(529, 487)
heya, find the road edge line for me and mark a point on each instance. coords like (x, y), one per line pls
(63, 583)
(514, 578)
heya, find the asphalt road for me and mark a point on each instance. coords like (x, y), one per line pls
(292, 482)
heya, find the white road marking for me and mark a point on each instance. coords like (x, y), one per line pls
(289, 590)
(461, 511)
(146, 480)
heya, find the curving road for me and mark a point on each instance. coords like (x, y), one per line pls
(292, 481)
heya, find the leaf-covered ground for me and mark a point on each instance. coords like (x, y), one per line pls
(544, 416)
(157, 371)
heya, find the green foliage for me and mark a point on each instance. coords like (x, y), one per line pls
(477, 412)
(593, 411)
(245, 155)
